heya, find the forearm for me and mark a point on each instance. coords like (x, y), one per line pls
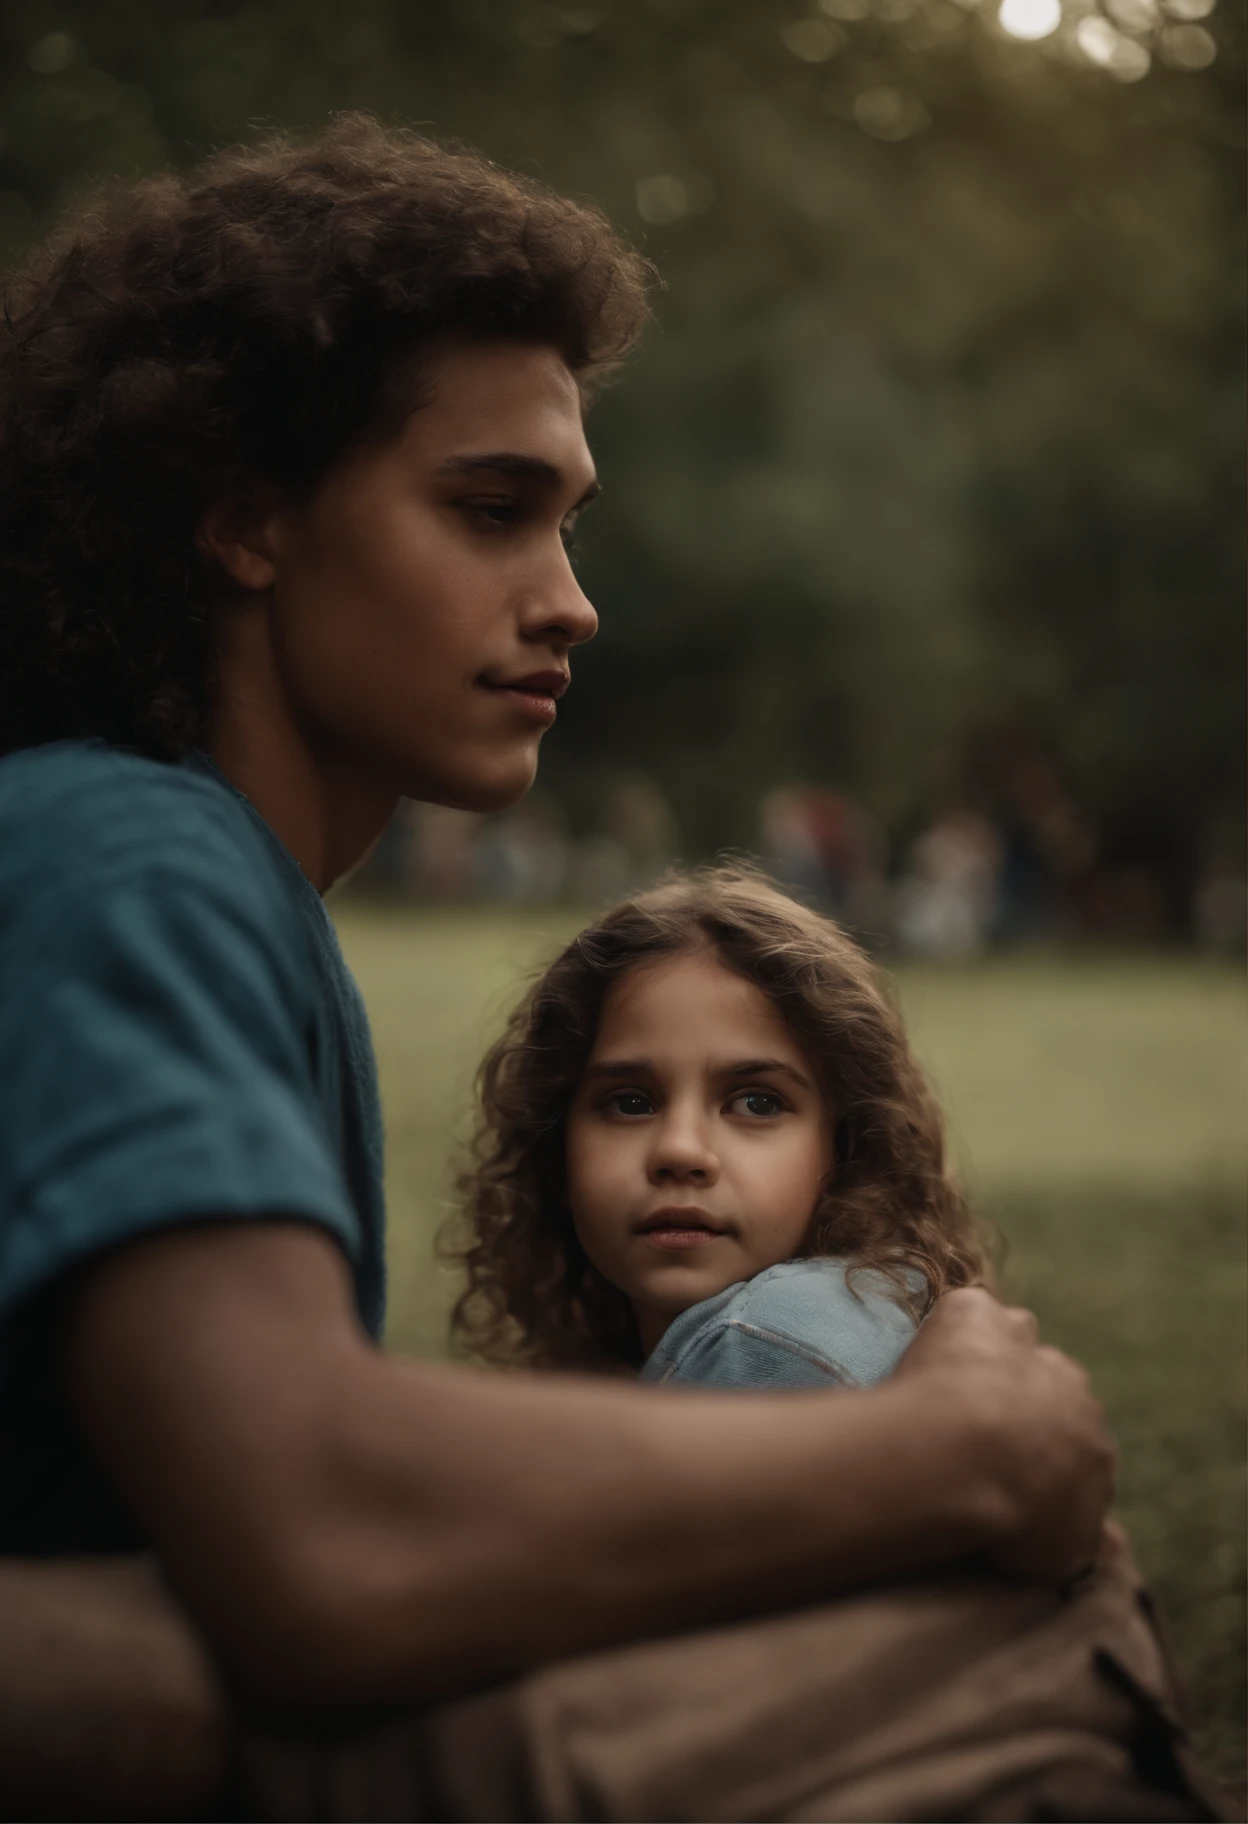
(108, 1705)
(459, 1527)
(346, 1527)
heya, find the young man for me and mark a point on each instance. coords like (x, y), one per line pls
(290, 449)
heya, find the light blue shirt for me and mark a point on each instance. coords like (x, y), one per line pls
(801, 1324)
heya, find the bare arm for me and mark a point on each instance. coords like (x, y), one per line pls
(108, 1705)
(349, 1527)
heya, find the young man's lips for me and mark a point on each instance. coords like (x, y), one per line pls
(538, 692)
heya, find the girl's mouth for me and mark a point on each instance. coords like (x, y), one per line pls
(677, 1230)
(678, 1239)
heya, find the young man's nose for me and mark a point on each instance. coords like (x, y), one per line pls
(558, 612)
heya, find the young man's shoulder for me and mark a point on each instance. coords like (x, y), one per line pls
(79, 817)
(167, 1041)
(91, 790)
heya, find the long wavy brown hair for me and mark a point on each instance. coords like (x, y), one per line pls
(532, 1296)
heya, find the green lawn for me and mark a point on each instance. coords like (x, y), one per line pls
(1098, 1107)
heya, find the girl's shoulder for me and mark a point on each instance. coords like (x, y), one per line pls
(803, 1323)
(852, 1315)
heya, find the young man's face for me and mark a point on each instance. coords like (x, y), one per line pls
(423, 606)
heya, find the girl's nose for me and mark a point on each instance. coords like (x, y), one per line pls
(682, 1153)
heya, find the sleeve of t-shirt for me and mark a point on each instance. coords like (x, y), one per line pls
(852, 1327)
(736, 1355)
(155, 1006)
(800, 1324)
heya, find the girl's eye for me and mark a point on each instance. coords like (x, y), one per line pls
(629, 1102)
(759, 1103)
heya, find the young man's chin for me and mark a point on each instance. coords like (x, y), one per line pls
(483, 792)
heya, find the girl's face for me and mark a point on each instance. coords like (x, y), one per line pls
(698, 1141)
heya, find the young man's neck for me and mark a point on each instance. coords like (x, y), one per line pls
(328, 823)
(326, 810)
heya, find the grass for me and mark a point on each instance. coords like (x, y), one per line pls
(1098, 1110)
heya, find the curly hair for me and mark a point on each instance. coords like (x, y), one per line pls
(532, 1296)
(179, 341)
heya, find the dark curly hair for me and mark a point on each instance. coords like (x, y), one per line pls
(532, 1296)
(178, 341)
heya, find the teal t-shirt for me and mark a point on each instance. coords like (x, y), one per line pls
(180, 1040)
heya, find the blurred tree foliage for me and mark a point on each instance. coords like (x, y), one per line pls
(933, 456)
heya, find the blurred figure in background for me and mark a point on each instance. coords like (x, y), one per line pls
(788, 843)
(521, 856)
(949, 899)
(637, 839)
(1049, 852)
(441, 851)
(828, 851)
(1220, 902)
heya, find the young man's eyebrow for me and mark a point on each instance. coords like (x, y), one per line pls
(516, 465)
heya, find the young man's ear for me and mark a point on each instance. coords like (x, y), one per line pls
(242, 539)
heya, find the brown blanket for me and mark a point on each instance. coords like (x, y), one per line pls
(963, 1696)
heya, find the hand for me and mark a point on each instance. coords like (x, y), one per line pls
(1049, 1458)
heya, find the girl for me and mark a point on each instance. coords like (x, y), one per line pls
(706, 1152)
